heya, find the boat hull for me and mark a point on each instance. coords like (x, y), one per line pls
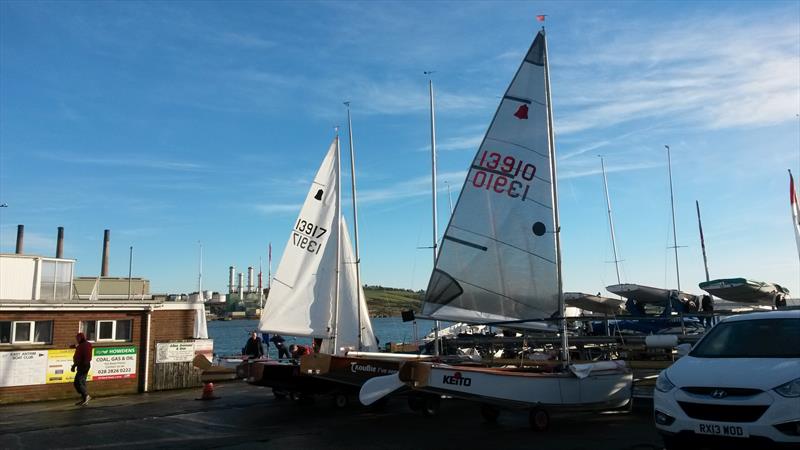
(317, 373)
(522, 388)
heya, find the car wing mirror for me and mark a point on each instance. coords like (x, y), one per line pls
(683, 349)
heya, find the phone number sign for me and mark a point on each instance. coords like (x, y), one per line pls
(113, 363)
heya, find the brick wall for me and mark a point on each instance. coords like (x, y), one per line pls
(65, 326)
(172, 325)
(167, 325)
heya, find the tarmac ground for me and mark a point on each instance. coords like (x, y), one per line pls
(247, 416)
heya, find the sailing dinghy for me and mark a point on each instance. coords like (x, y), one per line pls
(741, 290)
(500, 262)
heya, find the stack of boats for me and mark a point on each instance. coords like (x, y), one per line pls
(498, 264)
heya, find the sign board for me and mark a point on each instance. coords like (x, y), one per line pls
(113, 363)
(204, 347)
(23, 367)
(59, 363)
(171, 352)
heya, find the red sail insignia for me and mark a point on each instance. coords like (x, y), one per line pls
(522, 112)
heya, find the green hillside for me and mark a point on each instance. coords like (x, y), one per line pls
(390, 302)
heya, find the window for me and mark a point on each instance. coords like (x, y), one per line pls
(26, 332)
(56, 280)
(756, 338)
(107, 330)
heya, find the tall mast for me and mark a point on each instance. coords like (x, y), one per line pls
(702, 239)
(355, 220)
(338, 221)
(200, 270)
(672, 204)
(554, 189)
(610, 220)
(433, 189)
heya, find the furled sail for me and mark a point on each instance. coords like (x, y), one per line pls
(498, 257)
(351, 298)
(304, 287)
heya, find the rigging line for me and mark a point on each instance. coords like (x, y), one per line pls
(489, 138)
(501, 242)
(281, 282)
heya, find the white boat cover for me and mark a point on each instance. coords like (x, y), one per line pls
(584, 370)
(497, 259)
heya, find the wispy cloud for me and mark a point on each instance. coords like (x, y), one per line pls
(147, 163)
(244, 40)
(710, 76)
(278, 208)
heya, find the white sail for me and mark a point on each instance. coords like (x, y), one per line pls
(498, 258)
(349, 304)
(302, 295)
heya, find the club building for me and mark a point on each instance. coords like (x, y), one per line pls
(140, 343)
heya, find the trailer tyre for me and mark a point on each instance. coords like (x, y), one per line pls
(539, 419)
(432, 404)
(279, 395)
(416, 403)
(340, 401)
(490, 413)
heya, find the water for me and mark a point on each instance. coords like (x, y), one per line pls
(230, 335)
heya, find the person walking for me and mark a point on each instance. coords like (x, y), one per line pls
(278, 340)
(253, 348)
(82, 361)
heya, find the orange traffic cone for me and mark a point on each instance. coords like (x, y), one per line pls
(208, 392)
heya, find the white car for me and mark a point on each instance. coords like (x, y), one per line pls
(739, 384)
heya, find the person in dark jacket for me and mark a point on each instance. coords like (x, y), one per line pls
(278, 340)
(253, 348)
(82, 361)
(707, 306)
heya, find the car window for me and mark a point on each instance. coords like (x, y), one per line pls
(762, 338)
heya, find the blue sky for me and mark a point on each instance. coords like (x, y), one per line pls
(177, 122)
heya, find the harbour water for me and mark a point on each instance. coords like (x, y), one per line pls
(230, 335)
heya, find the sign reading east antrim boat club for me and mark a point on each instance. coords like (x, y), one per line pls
(29, 367)
(23, 367)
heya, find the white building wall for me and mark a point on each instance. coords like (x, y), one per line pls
(18, 277)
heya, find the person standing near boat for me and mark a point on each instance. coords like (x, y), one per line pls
(707, 306)
(82, 361)
(253, 348)
(278, 341)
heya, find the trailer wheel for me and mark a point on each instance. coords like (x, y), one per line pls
(431, 406)
(416, 403)
(539, 419)
(340, 401)
(278, 394)
(490, 413)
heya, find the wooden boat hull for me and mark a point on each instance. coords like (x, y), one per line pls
(522, 388)
(317, 373)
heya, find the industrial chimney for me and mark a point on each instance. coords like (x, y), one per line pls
(106, 239)
(231, 279)
(20, 236)
(241, 283)
(60, 243)
(250, 287)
